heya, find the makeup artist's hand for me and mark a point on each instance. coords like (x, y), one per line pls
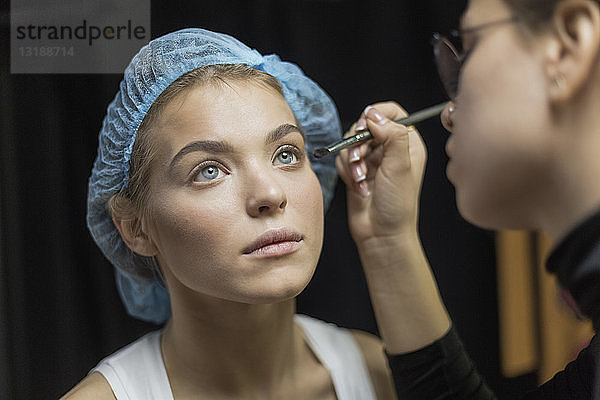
(383, 176)
(383, 179)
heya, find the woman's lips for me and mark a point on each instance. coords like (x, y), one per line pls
(275, 242)
(448, 147)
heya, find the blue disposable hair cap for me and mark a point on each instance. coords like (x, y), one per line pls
(150, 72)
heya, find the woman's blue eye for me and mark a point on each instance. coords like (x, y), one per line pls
(286, 157)
(208, 173)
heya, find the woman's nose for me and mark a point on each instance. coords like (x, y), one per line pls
(265, 197)
(447, 116)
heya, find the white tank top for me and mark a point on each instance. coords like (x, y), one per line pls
(137, 371)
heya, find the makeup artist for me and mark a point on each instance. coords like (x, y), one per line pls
(524, 153)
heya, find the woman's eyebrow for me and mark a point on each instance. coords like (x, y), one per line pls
(463, 22)
(281, 131)
(209, 146)
(219, 147)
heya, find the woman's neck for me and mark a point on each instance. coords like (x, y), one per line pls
(222, 347)
(574, 192)
(571, 207)
(576, 135)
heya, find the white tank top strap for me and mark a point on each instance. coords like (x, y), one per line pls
(339, 353)
(137, 372)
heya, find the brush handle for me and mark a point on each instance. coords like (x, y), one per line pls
(364, 135)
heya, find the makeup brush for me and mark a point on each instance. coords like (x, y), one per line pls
(364, 135)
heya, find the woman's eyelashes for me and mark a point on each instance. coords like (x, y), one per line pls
(211, 171)
(208, 171)
(288, 155)
(467, 52)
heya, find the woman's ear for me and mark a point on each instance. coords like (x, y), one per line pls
(572, 52)
(132, 229)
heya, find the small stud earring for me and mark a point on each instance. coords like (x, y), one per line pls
(559, 81)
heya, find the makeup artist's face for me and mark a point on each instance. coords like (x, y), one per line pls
(499, 148)
(236, 210)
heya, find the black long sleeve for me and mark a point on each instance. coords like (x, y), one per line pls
(442, 370)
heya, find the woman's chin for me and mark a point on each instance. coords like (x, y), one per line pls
(276, 290)
(489, 216)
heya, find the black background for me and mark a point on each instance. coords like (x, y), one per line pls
(59, 310)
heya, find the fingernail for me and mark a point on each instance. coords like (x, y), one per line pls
(363, 188)
(361, 124)
(354, 154)
(375, 115)
(358, 173)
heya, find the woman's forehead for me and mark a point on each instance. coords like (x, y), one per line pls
(224, 104)
(223, 113)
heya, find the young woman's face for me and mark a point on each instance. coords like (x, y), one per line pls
(500, 147)
(236, 211)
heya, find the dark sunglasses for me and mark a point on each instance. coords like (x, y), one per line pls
(449, 60)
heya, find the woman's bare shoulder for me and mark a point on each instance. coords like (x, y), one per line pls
(376, 361)
(93, 387)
